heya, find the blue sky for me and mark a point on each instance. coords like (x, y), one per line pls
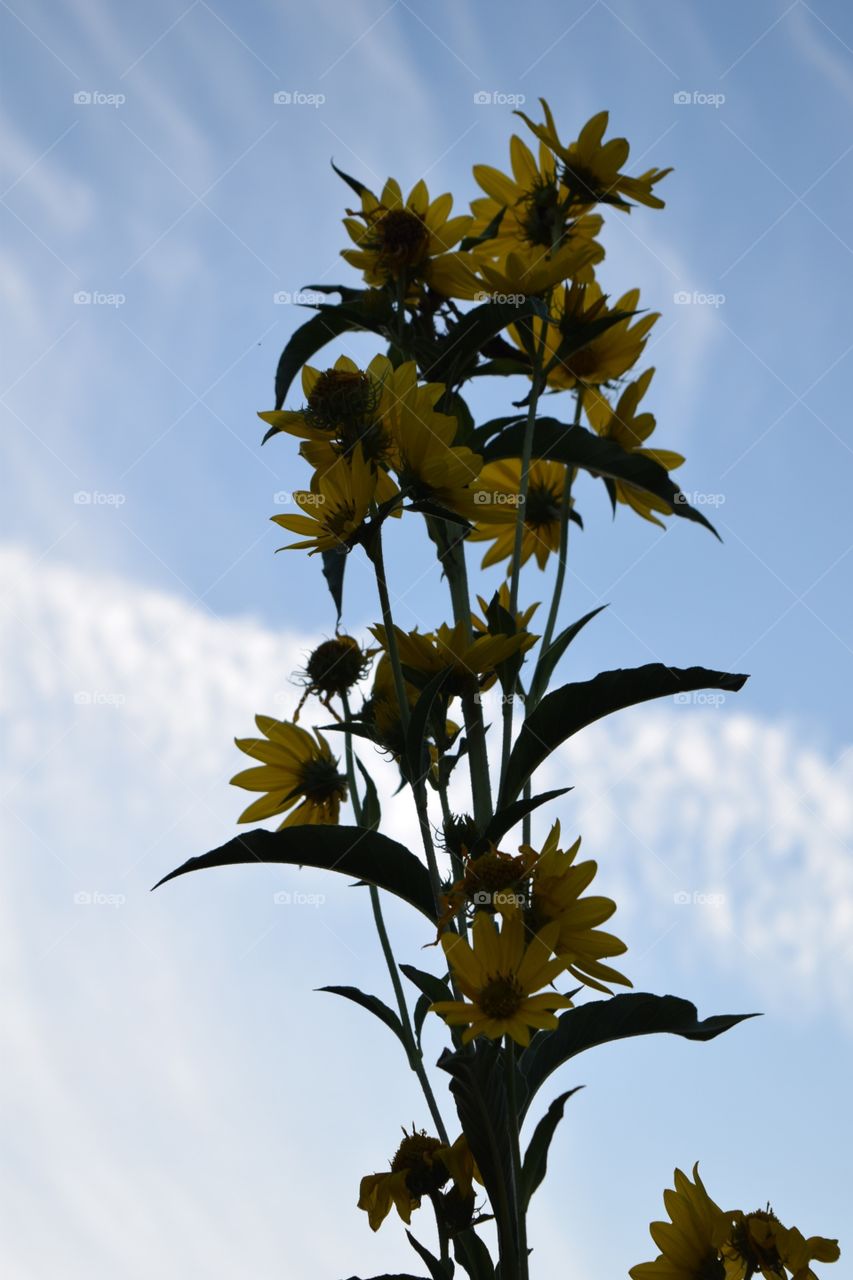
(182, 199)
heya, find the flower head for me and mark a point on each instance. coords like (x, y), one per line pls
(501, 976)
(333, 668)
(471, 662)
(630, 429)
(541, 529)
(401, 239)
(421, 1166)
(761, 1245)
(591, 167)
(690, 1242)
(297, 769)
(335, 507)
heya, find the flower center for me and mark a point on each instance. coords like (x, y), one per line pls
(540, 217)
(501, 997)
(335, 665)
(416, 1155)
(341, 400)
(491, 877)
(320, 781)
(542, 506)
(401, 238)
(585, 185)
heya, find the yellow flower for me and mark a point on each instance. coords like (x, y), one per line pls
(382, 709)
(335, 507)
(500, 976)
(470, 660)
(421, 1167)
(630, 429)
(761, 1245)
(541, 531)
(577, 352)
(522, 616)
(592, 168)
(557, 883)
(520, 270)
(332, 669)
(297, 768)
(690, 1243)
(533, 204)
(402, 239)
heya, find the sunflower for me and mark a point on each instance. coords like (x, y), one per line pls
(397, 239)
(541, 530)
(471, 661)
(421, 1166)
(591, 168)
(381, 711)
(522, 616)
(530, 208)
(332, 669)
(500, 976)
(297, 768)
(579, 351)
(690, 1242)
(557, 883)
(761, 1245)
(630, 429)
(335, 507)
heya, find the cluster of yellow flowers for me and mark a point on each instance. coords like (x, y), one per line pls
(703, 1242)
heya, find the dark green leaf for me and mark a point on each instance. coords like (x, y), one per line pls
(505, 819)
(535, 1162)
(488, 233)
(472, 1254)
(456, 354)
(353, 851)
(567, 710)
(502, 367)
(436, 988)
(617, 1018)
(576, 446)
(548, 660)
(481, 437)
(438, 1270)
(347, 293)
(334, 564)
(422, 1006)
(417, 756)
(374, 1005)
(329, 322)
(371, 813)
(358, 187)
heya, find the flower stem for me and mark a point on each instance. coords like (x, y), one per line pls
(413, 1052)
(515, 1149)
(565, 514)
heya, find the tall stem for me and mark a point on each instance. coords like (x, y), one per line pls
(565, 520)
(413, 1052)
(526, 454)
(515, 1149)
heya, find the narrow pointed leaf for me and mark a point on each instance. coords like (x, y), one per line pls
(417, 756)
(354, 183)
(436, 988)
(535, 1162)
(548, 660)
(371, 813)
(329, 322)
(334, 564)
(617, 1018)
(438, 1270)
(353, 851)
(505, 819)
(375, 1006)
(565, 711)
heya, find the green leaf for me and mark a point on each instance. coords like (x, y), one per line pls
(358, 187)
(576, 446)
(348, 294)
(549, 658)
(374, 1005)
(435, 988)
(506, 818)
(456, 354)
(472, 1254)
(371, 812)
(352, 851)
(422, 1006)
(617, 1018)
(334, 564)
(438, 1270)
(502, 367)
(535, 1162)
(329, 322)
(488, 233)
(572, 707)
